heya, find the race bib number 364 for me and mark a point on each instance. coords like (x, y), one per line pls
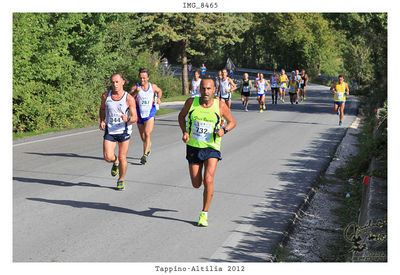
(202, 130)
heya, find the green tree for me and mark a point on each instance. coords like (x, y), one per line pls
(365, 45)
(196, 33)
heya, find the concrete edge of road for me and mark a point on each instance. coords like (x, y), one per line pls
(328, 171)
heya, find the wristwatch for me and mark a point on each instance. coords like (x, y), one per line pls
(225, 130)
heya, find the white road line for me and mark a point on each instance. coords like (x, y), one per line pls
(46, 139)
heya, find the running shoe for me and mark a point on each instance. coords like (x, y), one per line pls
(340, 123)
(297, 102)
(304, 97)
(114, 170)
(203, 221)
(143, 159)
(261, 110)
(245, 109)
(264, 107)
(338, 112)
(120, 185)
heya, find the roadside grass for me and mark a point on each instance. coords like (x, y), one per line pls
(176, 98)
(352, 174)
(350, 179)
(16, 136)
(163, 111)
(321, 81)
(282, 254)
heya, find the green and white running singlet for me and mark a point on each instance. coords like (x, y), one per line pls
(202, 124)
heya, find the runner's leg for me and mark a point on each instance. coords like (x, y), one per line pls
(210, 165)
(109, 151)
(246, 101)
(335, 108)
(341, 111)
(142, 135)
(195, 171)
(145, 133)
(122, 152)
(273, 95)
(228, 103)
(148, 129)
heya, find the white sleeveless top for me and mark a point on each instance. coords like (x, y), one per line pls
(114, 109)
(145, 101)
(274, 83)
(222, 88)
(195, 88)
(261, 87)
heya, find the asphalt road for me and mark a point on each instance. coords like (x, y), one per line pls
(65, 208)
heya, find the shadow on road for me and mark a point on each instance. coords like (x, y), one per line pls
(69, 155)
(60, 183)
(107, 207)
(274, 215)
(73, 155)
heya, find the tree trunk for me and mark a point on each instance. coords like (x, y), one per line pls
(185, 79)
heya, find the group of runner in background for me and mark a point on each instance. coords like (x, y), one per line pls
(296, 85)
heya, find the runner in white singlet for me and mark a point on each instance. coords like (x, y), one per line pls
(195, 86)
(147, 95)
(226, 87)
(262, 86)
(117, 113)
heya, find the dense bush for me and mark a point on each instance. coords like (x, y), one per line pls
(62, 64)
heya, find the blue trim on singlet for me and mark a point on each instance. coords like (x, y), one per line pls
(153, 109)
(152, 114)
(216, 126)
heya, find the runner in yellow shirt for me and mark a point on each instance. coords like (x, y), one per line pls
(340, 89)
(283, 84)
